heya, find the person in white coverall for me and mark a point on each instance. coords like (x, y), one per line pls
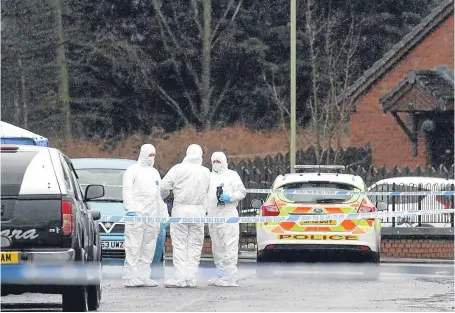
(141, 197)
(225, 237)
(189, 182)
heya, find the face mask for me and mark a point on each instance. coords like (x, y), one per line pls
(216, 167)
(150, 161)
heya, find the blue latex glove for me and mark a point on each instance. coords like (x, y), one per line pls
(165, 225)
(131, 214)
(225, 197)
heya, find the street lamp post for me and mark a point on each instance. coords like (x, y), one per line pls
(293, 86)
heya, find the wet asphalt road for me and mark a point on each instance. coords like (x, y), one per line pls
(297, 287)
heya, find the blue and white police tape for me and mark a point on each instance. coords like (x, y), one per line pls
(262, 219)
(351, 193)
(51, 274)
(340, 193)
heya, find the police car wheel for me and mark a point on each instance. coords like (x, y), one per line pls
(372, 273)
(264, 267)
(262, 272)
(371, 270)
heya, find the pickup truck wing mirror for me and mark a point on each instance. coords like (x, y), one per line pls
(93, 192)
(96, 215)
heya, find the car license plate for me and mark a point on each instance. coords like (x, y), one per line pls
(318, 223)
(112, 245)
(10, 257)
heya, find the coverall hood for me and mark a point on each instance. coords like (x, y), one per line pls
(221, 157)
(144, 159)
(193, 154)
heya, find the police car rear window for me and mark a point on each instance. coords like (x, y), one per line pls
(328, 187)
(13, 167)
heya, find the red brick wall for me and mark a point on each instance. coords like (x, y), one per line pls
(417, 248)
(390, 145)
(400, 248)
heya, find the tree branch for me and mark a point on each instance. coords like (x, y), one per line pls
(220, 98)
(163, 21)
(234, 15)
(177, 71)
(226, 12)
(196, 17)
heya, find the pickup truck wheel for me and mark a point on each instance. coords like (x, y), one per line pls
(75, 299)
(94, 297)
(95, 289)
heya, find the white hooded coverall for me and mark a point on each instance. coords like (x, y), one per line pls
(225, 237)
(189, 182)
(141, 194)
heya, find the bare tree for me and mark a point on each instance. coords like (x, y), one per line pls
(63, 89)
(23, 91)
(331, 74)
(340, 56)
(278, 94)
(28, 63)
(192, 54)
(312, 26)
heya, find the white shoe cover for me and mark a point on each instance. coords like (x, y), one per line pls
(212, 282)
(191, 283)
(225, 283)
(175, 283)
(150, 283)
(133, 282)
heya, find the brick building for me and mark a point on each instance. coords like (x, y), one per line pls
(404, 106)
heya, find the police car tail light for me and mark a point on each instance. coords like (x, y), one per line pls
(67, 218)
(366, 207)
(270, 209)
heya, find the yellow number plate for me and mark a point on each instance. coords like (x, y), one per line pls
(318, 223)
(10, 258)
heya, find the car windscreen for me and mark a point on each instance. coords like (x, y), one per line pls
(318, 186)
(111, 179)
(13, 166)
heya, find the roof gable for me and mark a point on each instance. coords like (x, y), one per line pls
(422, 90)
(398, 51)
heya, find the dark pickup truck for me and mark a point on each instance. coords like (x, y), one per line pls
(50, 240)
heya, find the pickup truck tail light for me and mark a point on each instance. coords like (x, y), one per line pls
(270, 209)
(67, 218)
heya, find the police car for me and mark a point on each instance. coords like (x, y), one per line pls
(358, 240)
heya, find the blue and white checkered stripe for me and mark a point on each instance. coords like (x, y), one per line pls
(262, 219)
(340, 193)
